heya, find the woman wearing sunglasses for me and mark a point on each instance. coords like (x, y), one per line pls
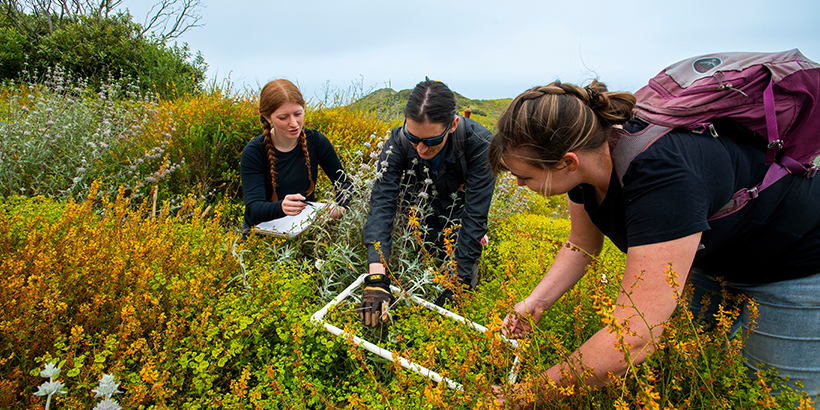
(279, 168)
(436, 158)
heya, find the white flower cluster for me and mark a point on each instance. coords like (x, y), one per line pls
(51, 387)
(106, 389)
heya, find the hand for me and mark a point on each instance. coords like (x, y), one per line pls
(518, 392)
(518, 323)
(500, 398)
(293, 204)
(451, 298)
(376, 299)
(337, 212)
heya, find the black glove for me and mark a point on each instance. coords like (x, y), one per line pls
(376, 299)
(449, 298)
(445, 297)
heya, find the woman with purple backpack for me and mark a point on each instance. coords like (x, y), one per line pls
(558, 139)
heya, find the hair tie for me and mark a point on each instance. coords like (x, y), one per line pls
(592, 96)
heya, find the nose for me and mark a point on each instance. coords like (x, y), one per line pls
(293, 122)
(520, 181)
(421, 148)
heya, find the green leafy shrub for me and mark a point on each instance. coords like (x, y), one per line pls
(13, 52)
(170, 70)
(99, 47)
(92, 48)
(209, 131)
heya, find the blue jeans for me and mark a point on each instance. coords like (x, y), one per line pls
(787, 331)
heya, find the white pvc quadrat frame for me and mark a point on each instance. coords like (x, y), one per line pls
(318, 319)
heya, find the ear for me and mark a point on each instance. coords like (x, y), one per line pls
(571, 161)
(454, 125)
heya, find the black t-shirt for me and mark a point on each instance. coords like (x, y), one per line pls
(291, 175)
(672, 188)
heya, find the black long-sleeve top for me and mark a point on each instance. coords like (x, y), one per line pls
(291, 175)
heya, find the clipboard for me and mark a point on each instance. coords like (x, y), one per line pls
(290, 226)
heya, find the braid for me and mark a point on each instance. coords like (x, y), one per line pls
(610, 107)
(271, 156)
(526, 101)
(552, 120)
(303, 144)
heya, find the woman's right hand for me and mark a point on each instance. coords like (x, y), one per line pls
(336, 212)
(293, 205)
(525, 315)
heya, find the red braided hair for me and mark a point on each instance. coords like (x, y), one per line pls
(275, 94)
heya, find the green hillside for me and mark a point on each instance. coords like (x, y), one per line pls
(388, 100)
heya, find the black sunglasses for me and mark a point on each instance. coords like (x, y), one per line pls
(426, 141)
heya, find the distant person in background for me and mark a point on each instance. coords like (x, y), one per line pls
(279, 168)
(438, 158)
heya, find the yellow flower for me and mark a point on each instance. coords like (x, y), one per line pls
(620, 404)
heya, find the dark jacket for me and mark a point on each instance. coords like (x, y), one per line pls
(461, 192)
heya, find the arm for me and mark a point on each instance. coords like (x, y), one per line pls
(645, 302)
(568, 267)
(478, 194)
(329, 161)
(383, 204)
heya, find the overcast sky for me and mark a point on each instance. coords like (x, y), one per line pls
(482, 49)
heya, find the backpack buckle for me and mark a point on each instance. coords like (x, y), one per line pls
(776, 144)
(703, 127)
(753, 193)
(812, 171)
(712, 130)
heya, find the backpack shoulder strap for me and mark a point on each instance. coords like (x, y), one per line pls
(405, 144)
(628, 146)
(460, 141)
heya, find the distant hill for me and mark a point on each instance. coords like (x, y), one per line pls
(387, 99)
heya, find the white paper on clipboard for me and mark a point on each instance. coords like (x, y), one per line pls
(293, 225)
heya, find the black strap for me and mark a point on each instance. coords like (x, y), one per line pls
(377, 278)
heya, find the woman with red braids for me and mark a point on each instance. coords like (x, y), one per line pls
(279, 168)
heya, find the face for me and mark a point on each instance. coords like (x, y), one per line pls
(428, 130)
(546, 182)
(286, 122)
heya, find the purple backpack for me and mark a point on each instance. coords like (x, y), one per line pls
(773, 94)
